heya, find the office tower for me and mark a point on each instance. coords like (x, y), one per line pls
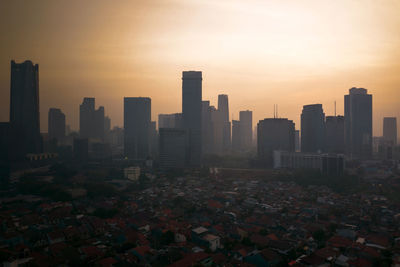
(246, 126)
(217, 131)
(56, 124)
(137, 118)
(81, 149)
(191, 113)
(297, 141)
(170, 120)
(358, 123)
(107, 124)
(24, 108)
(390, 130)
(274, 134)
(237, 135)
(98, 126)
(223, 109)
(335, 134)
(91, 121)
(312, 129)
(207, 128)
(173, 148)
(153, 139)
(86, 117)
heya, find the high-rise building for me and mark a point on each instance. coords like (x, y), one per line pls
(137, 119)
(24, 108)
(86, 117)
(237, 135)
(312, 129)
(207, 128)
(91, 121)
(246, 129)
(170, 120)
(358, 123)
(107, 124)
(297, 141)
(173, 146)
(390, 130)
(274, 134)
(223, 109)
(335, 134)
(153, 139)
(191, 113)
(56, 124)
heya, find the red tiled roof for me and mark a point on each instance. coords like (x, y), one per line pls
(107, 262)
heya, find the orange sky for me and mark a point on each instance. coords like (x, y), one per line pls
(258, 52)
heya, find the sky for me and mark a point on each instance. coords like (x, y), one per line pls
(259, 52)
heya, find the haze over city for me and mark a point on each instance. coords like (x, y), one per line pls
(260, 53)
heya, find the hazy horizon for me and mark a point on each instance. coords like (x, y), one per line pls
(259, 53)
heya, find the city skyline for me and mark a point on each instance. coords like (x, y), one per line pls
(108, 64)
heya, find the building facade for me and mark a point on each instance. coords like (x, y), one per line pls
(358, 123)
(56, 124)
(24, 108)
(274, 134)
(335, 134)
(313, 129)
(137, 120)
(191, 114)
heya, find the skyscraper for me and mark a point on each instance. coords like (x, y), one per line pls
(24, 108)
(86, 117)
(335, 134)
(358, 123)
(312, 129)
(207, 128)
(56, 124)
(137, 119)
(191, 113)
(390, 130)
(274, 134)
(223, 109)
(237, 135)
(173, 148)
(91, 121)
(173, 120)
(297, 141)
(246, 128)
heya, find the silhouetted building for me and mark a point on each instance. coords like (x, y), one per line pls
(237, 135)
(173, 148)
(191, 113)
(81, 149)
(358, 123)
(335, 134)
(312, 129)
(246, 128)
(86, 117)
(390, 130)
(297, 140)
(91, 121)
(223, 109)
(137, 118)
(207, 128)
(153, 139)
(107, 124)
(170, 120)
(24, 108)
(56, 124)
(217, 131)
(274, 134)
